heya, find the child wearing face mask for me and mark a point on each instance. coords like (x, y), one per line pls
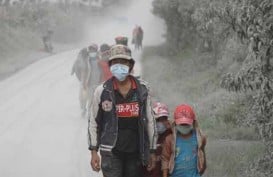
(161, 114)
(183, 153)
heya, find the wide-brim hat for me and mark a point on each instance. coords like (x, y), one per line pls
(120, 51)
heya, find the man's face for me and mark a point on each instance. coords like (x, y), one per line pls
(123, 61)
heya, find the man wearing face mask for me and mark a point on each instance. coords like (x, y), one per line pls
(105, 72)
(121, 124)
(161, 114)
(183, 151)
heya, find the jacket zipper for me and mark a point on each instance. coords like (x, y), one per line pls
(142, 122)
(114, 112)
(143, 130)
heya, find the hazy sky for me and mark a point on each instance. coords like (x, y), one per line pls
(122, 22)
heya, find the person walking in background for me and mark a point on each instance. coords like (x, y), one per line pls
(137, 37)
(104, 53)
(47, 40)
(183, 152)
(140, 36)
(82, 68)
(121, 124)
(121, 40)
(134, 34)
(161, 114)
(94, 75)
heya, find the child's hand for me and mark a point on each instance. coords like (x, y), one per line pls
(165, 173)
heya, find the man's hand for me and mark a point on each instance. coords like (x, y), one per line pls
(152, 162)
(95, 161)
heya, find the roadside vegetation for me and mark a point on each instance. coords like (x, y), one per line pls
(23, 23)
(218, 57)
(190, 78)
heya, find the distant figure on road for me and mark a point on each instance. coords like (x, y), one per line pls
(86, 69)
(47, 41)
(121, 40)
(103, 62)
(137, 37)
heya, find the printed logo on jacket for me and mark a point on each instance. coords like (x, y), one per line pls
(107, 106)
(127, 110)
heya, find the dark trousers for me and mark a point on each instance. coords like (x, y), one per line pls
(121, 165)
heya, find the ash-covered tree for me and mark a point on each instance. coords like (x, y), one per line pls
(252, 22)
(178, 16)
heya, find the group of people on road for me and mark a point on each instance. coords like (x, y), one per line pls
(91, 68)
(137, 38)
(129, 134)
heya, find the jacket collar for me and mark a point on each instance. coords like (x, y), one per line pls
(115, 84)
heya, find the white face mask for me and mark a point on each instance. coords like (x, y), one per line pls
(161, 128)
(92, 54)
(184, 129)
(120, 71)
